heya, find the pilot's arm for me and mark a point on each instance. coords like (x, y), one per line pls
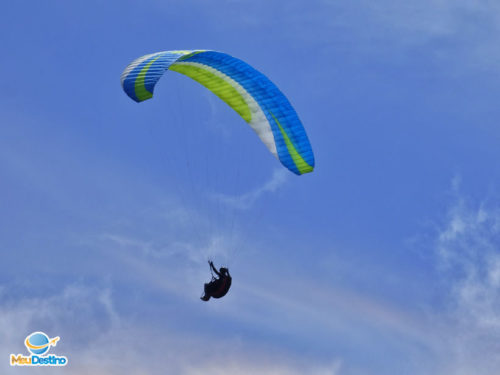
(214, 269)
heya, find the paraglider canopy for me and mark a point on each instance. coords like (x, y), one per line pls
(251, 94)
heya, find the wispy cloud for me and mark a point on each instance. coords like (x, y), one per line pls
(468, 248)
(457, 35)
(79, 314)
(125, 345)
(304, 308)
(247, 367)
(248, 199)
(454, 33)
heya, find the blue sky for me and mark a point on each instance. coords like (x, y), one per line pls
(384, 260)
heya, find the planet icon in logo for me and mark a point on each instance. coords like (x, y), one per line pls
(39, 343)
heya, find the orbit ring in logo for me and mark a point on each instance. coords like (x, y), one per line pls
(39, 343)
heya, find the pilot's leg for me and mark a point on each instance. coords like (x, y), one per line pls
(206, 297)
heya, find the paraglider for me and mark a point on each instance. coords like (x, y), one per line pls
(218, 286)
(251, 94)
(248, 92)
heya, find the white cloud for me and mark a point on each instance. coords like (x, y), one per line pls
(468, 246)
(302, 308)
(125, 346)
(224, 366)
(248, 199)
(78, 314)
(456, 33)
